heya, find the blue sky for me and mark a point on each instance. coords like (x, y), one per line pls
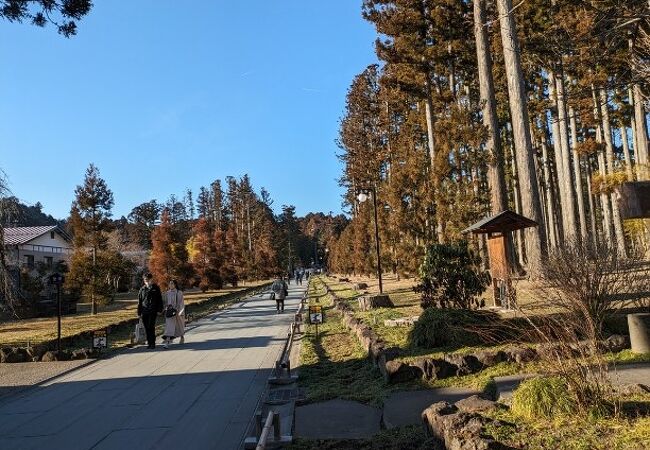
(163, 96)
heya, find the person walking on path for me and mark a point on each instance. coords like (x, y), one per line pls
(174, 314)
(149, 305)
(299, 277)
(280, 292)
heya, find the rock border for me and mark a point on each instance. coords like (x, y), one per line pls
(452, 364)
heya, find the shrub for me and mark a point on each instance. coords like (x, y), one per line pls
(453, 327)
(542, 397)
(585, 286)
(451, 277)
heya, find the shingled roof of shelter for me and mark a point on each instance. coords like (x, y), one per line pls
(504, 221)
(22, 235)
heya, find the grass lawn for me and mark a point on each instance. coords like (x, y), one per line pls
(333, 364)
(38, 330)
(574, 433)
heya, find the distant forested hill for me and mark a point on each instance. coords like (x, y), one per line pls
(21, 215)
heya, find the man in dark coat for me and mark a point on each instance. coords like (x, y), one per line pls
(149, 305)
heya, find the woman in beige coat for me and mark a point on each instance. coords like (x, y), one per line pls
(175, 325)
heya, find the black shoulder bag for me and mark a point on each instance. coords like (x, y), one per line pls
(171, 311)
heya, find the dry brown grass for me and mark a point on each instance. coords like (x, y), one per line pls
(38, 330)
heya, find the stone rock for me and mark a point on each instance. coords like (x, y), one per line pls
(466, 364)
(83, 353)
(4, 354)
(401, 322)
(387, 354)
(475, 404)
(368, 302)
(489, 358)
(548, 350)
(50, 356)
(436, 369)
(12, 355)
(399, 372)
(392, 353)
(361, 286)
(35, 353)
(457, 430)
(616, 343)
(521, 355)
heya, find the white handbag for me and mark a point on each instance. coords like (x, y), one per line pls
(140, 335)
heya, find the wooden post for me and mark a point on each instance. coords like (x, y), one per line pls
(261, 445)
(258, 424)
(276, 426)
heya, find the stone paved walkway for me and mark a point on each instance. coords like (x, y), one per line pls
(200, 395)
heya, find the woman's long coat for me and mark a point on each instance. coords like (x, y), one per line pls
(175, 326)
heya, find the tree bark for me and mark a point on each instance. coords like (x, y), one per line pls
(629, 171)
(582, 218)
(604, 200)
(568, 207)
(496, 176)
(592, 207)
(641, 133)
(550, 201)
(559, 161)
(535, 236)
(609, 153)
(519, 235)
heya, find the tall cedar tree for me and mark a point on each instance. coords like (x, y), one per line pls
(204, 257)
(89, 223)
(169, 257)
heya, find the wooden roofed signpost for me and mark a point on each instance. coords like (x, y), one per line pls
(498, 229)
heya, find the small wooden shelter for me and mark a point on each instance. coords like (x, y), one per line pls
(498, 229)
(634, 200)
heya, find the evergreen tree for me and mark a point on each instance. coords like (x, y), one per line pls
(204, 257)
(62, 14)
(90, 221)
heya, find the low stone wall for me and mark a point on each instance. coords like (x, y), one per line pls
(461, 426)
(451, 364)
(372, 344)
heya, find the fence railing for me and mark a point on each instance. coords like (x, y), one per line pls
(283, 364)
(272, 422)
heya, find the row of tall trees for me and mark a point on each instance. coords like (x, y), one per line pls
(478, 107)
(235, 236)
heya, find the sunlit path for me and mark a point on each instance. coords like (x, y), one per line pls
(198, 395)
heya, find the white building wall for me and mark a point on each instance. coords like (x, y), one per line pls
(45, 239)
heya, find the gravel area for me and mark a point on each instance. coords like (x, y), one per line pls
(19, 376)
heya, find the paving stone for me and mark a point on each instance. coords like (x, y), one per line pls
(337, 419)
(198, 395)
(405, 407)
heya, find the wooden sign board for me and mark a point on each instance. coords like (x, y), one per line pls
(498, 253)
(315, 314)
(100, 339)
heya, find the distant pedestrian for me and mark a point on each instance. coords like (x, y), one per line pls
(149, 306)
(280, 292)
(289, 276)
(174, 314)
(307, 275)
(299, 277)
